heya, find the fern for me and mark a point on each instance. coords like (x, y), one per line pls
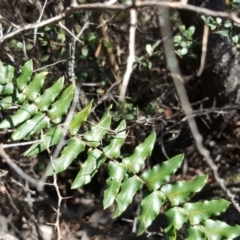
(45, 111)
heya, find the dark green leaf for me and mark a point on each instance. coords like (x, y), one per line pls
(180, 192)
(7, 89)
(176, 218)
(216, 230)
(99, 130)
(128, 189)
(113, 149)
(79, 118)
(24, 113)
(116, 175)
(160, 174)
(201, 211)
(51, 138)
(141, 152)
(49, 95)
(31, 126)
(34, 87)
(68, 154)
(24, 78)
(60, 107)
(196, 232)
(6, 73)
(150, 206)
(88, 168)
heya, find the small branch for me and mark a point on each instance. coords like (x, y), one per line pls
(131, 56)
(36, 182)
(39, 20)
(204, 49)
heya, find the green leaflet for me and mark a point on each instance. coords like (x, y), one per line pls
(196, 232)
(116, 175)
(68, 154)
(6, 73)
(8, 101)
(141, 152)
(7, 89)
(198, 212)
(176, 217)
(112, 151)
(99, 130)
(128, 189)
(24, 78)
(160, 174)
(23, 113)
(79, 118)
(34, 87)
(150, 206)
(49, 95)
(180, 192)
(60, 107)
(31, 126)
(51, 138)
(217, 230)
(88, 168)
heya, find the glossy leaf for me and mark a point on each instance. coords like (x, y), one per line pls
(88, 168)
(79, 118)
(99, 130)
(113, 149)
(24, 113)
(128, 189)
(150, 206)
(49, 95)
(181, 191)
(116, 175)
(217, 230)
(31, 126)
(14, 98)
(61, 106)
(6, 102)
(196, 232)
(141, 152)
(161, 174)
(51, 138)
(68, 154)
(6, 89)
(176, 217)
(24, 78)
(171, 233)
(6, 73)
(34, 87)
(201, 211)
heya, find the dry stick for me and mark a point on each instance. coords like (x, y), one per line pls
(39, 20)
(131, 56)
(103, 6)
(182, 94)
(204, 49)
(35, 182)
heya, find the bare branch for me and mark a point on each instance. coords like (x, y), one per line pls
(204, 49)
(131, 56)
